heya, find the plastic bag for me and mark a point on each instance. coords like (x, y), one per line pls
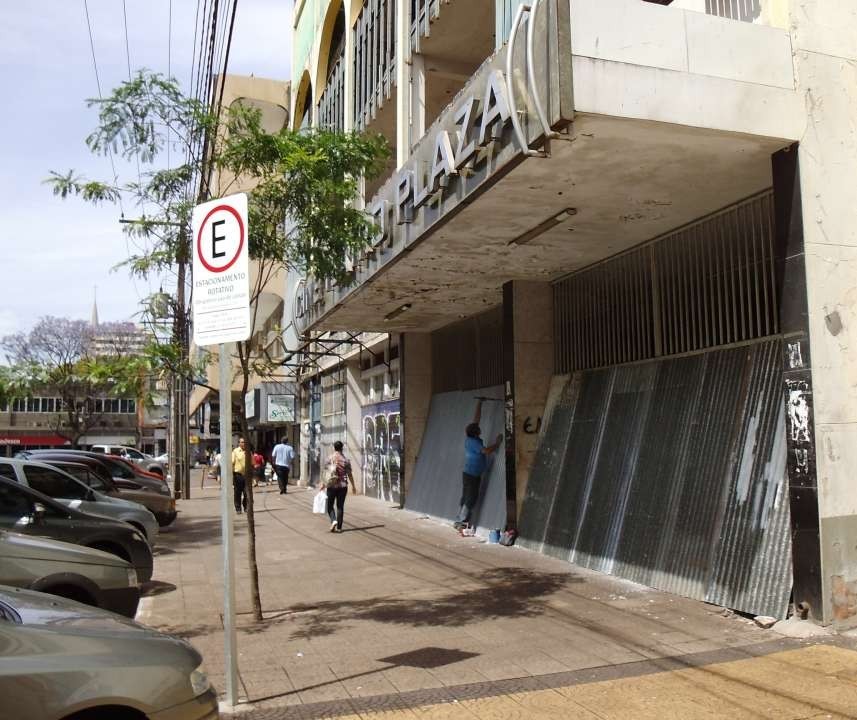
(319, 503)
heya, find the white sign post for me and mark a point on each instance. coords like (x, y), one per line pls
(221, 315)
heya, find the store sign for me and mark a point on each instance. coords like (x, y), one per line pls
(281, 408)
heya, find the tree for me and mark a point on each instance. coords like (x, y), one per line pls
(67, 359)
(300, 184)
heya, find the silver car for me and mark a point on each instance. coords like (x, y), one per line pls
(71, 571)
(73, 493)
(59, 658)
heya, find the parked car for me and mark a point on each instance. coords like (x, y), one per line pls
(27, 511)
(63, 660)
(133, 482)
(78, 573)
(57, 483)
(147, 462)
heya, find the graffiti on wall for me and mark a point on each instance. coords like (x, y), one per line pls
(382, 451)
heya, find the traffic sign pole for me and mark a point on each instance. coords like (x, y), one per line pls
(226, 520)
(221, 316)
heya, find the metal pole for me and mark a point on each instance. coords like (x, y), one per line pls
(226, 519)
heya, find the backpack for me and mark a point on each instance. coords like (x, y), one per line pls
(335, 473)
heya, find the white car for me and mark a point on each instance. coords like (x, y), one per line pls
(146, 462)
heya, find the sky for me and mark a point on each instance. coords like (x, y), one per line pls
(56, 252)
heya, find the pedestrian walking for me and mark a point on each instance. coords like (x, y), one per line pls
(282, 457)
(338, 476)
(239, 475)
(475, 461)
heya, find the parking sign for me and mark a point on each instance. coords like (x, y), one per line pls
(221, 285)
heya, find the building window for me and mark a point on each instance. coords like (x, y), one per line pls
(4, 406)
(31, 404)
(394, 383)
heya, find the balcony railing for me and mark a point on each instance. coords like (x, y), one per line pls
(422, 14)
(331, 106)
(374, 59)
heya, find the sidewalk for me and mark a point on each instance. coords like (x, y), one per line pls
(399, 617)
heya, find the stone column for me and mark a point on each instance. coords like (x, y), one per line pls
(528, 360)
(416, 381)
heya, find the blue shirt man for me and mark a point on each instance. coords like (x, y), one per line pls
(282, 457)
(475, 460)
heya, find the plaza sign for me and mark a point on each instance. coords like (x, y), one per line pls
(515, 101)
(455, 152)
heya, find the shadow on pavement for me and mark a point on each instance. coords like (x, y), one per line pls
(505, 593)
(156, 587)
(427, 658)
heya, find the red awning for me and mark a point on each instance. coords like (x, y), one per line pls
(8, 438)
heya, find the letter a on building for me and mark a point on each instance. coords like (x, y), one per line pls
(221, 285)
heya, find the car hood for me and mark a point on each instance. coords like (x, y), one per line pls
(31, 546)
(56, 615)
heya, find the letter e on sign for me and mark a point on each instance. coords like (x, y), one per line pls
(221, 287)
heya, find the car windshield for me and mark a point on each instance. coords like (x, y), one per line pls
(119, 467)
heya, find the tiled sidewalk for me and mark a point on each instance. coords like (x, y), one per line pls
(401, 615)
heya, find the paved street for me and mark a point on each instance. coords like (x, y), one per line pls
(400, 617)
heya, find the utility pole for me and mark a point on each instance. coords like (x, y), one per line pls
(179, 431)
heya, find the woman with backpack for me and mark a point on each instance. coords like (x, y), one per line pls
(338, 476)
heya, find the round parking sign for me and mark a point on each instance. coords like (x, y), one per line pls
(220, 238)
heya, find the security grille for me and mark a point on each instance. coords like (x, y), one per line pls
(331, 107)
(745, 10)
(468, 354)
(708, 284)
(374, 59)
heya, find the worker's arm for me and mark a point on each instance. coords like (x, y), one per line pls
(478, 415)
(493, 448)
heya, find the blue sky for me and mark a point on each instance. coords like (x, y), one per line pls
(56, 251)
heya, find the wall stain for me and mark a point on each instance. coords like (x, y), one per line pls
(844, 597)
(834, 323)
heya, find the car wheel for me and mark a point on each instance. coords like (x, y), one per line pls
(71, 592)
(116, 550)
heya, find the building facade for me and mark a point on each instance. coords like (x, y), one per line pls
(629, 226)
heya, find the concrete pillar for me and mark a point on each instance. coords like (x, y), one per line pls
(528, 360)
(353, 421)
(416, 380)
(403, 81)
(824, 40)
(418, 99)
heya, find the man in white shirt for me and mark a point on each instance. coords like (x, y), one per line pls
(282, 457)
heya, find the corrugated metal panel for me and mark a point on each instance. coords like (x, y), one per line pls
(671, 473)
(435, 487)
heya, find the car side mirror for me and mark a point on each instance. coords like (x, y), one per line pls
(38, 513)
(90, 496)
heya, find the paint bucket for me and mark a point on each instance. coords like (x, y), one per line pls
(494, 536)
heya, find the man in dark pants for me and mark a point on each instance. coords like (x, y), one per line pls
(239, 475)
(282, 457)
(475, 454)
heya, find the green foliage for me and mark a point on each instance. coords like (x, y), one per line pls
(300, 211)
